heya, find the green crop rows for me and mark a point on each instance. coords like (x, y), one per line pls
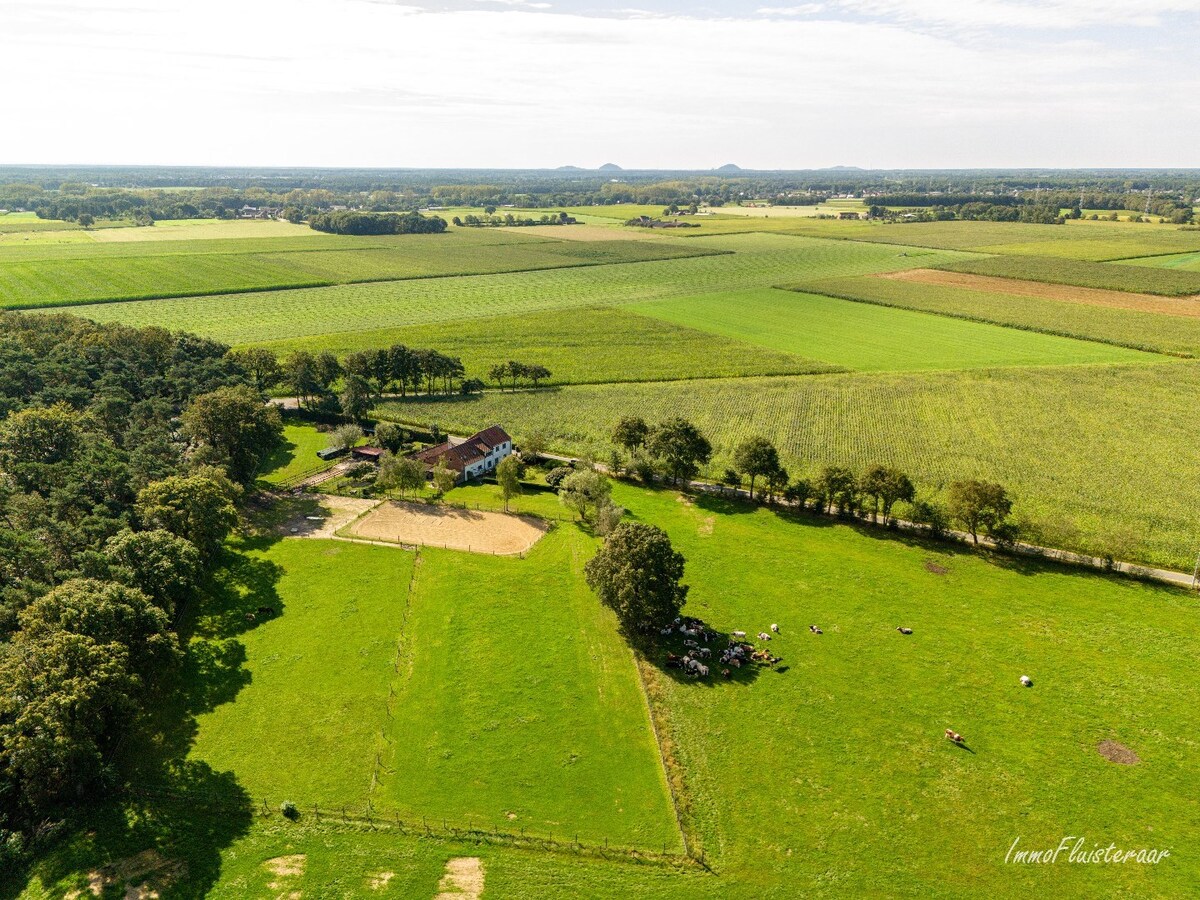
(1107, 276)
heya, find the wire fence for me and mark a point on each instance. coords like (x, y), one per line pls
(565, 840)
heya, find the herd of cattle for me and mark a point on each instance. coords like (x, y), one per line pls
(736, 653)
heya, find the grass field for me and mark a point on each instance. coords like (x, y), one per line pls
(1062, 438)
(537, 662)
(1075, 240)
(873, 338)
(1150, 331)
(1108, 276)
(305, 725)
(297, 456)
(46, 281)
(1188, 262)
(545, 726)
(750, 260)
(821, 777)
(580, 347)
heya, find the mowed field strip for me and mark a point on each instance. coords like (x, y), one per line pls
(874, 338)
(37, 279)
(752, 260)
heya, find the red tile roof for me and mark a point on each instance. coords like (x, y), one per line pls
(459, 456)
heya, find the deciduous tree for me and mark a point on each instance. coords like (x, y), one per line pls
(637, 574)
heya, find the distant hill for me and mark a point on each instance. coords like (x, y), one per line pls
(843, 169)
(569, 169)
(730, 167)
(611, 167)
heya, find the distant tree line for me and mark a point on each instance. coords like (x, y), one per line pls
(123, 455)
(140, 194)
(345, 221)
(974, 211)
(508, 220)
(324, 383)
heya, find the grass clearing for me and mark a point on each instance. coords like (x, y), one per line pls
(297, 456)
(872, 338)
(1060, 437)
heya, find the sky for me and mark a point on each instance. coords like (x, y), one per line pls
(774, 84)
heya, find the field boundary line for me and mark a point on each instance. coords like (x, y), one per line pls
(666, 760)
(438, 828)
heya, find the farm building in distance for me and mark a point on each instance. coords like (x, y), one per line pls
(472, 457)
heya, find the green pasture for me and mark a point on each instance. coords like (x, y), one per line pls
(1083, 449)
(748, 260)
(831, 775)
(517, 705)
(590, 345)
(302, 719)
(341, 697)
(1151, 331)
(872, 338)
(1170, 282)
(828, 775)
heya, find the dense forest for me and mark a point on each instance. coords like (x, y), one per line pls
(123, 456)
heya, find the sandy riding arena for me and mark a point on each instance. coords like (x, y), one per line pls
(443, 526)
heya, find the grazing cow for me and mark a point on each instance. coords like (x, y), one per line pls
(739, 634)
(250, 617)
(954, 736)
(903, 630)
(1027, 681)
(815, 630)
(704, 652)
(689, 643)
(736, 663)
(775, 628)
(763, 636)
(725, 673)
(665, 631)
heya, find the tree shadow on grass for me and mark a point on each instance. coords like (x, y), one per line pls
(166, 840)
(168, 823)
(660, 653)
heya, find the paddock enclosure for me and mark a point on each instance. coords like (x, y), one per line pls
(444, 526)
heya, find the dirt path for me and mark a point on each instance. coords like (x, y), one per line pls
(1172, 306)
(462, 880)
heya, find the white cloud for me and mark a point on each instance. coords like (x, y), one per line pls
(807, 9)
(330, 82)
(1024, 13)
